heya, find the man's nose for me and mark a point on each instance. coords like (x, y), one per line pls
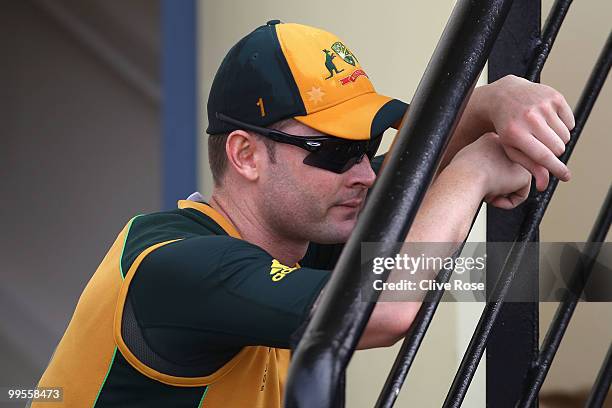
(362, 173)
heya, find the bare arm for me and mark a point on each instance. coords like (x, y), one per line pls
(449, 198)
(474, 123)
(532, 124)
(454, 197)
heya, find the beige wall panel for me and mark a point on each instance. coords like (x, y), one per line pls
(576, 204)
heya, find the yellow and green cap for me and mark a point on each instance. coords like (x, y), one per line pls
(282, 71)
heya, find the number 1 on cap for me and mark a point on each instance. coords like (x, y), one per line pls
(261, 107)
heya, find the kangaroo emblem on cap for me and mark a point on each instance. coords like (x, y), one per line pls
(329, 64)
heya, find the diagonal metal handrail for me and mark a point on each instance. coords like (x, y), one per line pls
(414, 338)
(407, 353)
(320, 360)
(602, 383)
(565, 310)
(529, 227)
(551, 29)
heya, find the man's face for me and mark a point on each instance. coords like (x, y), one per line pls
(302, 202)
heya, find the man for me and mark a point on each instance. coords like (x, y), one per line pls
(197, 306)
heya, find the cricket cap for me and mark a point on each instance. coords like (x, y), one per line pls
(286, 70)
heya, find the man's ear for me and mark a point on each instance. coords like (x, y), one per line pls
(243, 154)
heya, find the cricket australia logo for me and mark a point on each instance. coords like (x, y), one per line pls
(344, 53)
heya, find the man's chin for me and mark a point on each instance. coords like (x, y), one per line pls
(339, 233)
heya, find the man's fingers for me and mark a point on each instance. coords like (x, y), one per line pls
(540, 154)
(521, 195)
(512, 200)
(507, 202)
(565, 112)
(545, 134)
(539, 172)
(559, 127)
(501, 202)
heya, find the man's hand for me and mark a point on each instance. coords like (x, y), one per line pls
(479, 171)
(533, 122)
(503, 183)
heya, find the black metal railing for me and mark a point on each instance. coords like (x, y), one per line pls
(602, 383)
(423, 319)
(536, 208)
(598, 234)
(563, 315)
(517, 327)
(319, 362)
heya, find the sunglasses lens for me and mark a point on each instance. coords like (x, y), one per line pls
(339, 155)
(333, 154)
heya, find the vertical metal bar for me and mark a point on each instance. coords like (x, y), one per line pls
(602, 383)
(518, 331)
(536, 206)
(518, 322)
(330, 339)
(566, 309)
(179, 105)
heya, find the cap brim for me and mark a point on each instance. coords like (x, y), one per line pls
(359, 118)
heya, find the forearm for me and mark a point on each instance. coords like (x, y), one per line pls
(473, 123)
(448, 207)
(445, 216)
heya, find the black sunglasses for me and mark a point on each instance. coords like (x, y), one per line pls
(326, 152)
